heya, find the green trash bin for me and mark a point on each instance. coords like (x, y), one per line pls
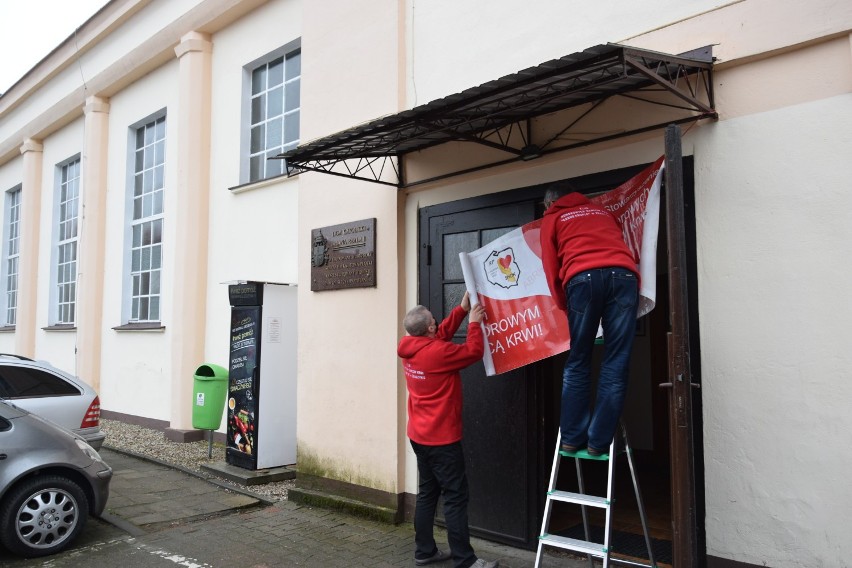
(210, 388)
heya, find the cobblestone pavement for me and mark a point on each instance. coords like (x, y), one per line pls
(161, 516)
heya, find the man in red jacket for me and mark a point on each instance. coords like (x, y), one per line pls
(593, 276)
(432, 363)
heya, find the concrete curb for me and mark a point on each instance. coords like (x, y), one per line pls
(122, 524)
(206, 477)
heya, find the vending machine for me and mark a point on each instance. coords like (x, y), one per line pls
(261, 400)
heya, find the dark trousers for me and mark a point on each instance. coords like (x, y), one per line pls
(442, 470)
(605, 296)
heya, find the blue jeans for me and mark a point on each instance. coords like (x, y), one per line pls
(441, 470)
(609, 297)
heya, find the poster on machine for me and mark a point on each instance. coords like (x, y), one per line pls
(522, 322)
(242, 398)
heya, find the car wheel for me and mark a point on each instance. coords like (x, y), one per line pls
(42, 516)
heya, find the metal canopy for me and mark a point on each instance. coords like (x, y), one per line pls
(524, 115)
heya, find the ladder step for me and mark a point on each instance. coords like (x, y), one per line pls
(599, 550)
(583, 454)
(584, 546)
(578, 498)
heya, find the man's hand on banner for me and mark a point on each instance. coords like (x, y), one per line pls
(465, 303)
(477, 313)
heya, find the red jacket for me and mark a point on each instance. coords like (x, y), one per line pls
(432, 366)
(578, 235)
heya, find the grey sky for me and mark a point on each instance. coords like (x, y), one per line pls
(30, 29)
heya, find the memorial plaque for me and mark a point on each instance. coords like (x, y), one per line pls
(344, 256)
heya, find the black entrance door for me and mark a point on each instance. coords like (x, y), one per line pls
(502, 414)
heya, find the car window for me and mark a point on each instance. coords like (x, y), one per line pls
(21, 382)
(4, 424)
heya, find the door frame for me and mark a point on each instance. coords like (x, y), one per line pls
(687, 466)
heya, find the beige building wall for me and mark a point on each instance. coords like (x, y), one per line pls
(253, 227)
(771, 337)
(351, 400)
(58, 149)
(136, 371)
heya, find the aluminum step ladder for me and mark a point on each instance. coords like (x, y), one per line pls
(592, 550)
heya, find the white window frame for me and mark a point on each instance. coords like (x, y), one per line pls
(11, 255)
(65, 249)
(257, 140)
(143, 259)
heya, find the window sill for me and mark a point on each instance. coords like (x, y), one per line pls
(261, 183)
(147, 326)
(61, 327)
(7, 329)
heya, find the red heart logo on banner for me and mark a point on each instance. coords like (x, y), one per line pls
(506, 261)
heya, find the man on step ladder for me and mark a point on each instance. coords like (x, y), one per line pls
(593, 276)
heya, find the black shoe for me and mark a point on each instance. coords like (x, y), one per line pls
(595, 452)
(439, 556)
(568, 448)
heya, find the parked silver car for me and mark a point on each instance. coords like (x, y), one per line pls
(50, 482)
(52, 393)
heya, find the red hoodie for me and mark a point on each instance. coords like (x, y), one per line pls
(578, 235)
(432, 366)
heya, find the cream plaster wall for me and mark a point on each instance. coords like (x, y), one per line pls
(457, 45)
(751, 29)
(772, 228)
(138, 357)
(58, 148)
(349, 385)
(11, 173)
(253, 231)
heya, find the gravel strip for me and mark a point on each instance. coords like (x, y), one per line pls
(191, 455)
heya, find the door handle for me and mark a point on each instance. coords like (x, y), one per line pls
(2, 456)
(679, 378)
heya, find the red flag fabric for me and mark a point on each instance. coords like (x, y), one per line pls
(523, 324)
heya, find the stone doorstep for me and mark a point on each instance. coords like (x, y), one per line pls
(334, 502)
(249, 477)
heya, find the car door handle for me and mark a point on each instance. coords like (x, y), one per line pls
(2, 456)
